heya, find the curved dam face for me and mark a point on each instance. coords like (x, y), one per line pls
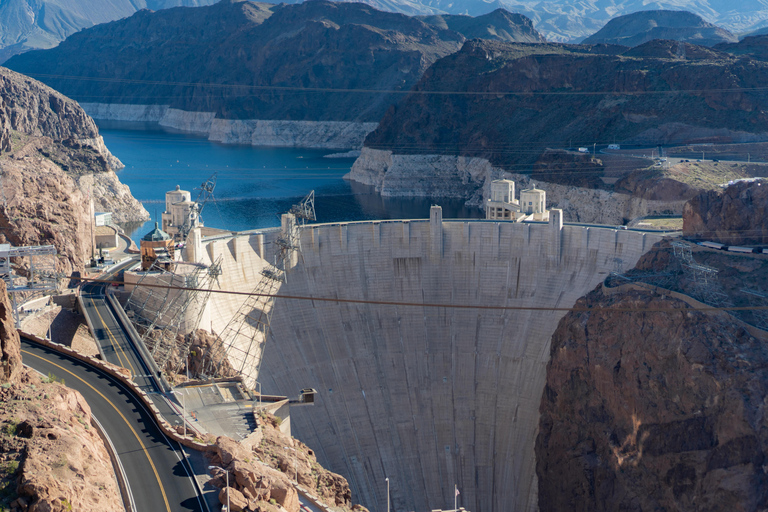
(428, 396)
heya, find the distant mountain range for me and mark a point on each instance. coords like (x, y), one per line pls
(574, 20)
(640, 27)
(289, 62)
(516, 100)
(30, 24)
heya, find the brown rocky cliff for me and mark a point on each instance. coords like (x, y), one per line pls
(10, 352)
(51, 158)
(647, 410)
(51, 458)
(43, 205)
(262, 470)
(733, 216)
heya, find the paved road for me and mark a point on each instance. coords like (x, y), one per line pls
(115, 344)
(153, 464)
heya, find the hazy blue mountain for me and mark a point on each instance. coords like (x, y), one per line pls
(27, 24)
(640, 27)
(573, 20)
(30, 24)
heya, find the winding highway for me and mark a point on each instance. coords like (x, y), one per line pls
(110, 335)
(154, 465)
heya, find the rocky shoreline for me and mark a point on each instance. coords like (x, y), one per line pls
(469, 178)
(255, 132)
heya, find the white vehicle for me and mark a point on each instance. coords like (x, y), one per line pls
(614, 146)
(583, 150)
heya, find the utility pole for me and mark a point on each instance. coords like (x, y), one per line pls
(92, 212)
(594, 149)
(387, 479)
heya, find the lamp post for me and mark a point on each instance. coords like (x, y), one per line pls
(217, 467)
(387, 479)
(295, 463)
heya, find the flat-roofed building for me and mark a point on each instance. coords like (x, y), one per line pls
(502, 205)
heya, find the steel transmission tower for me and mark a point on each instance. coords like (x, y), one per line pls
(245, 336)
(161, 311)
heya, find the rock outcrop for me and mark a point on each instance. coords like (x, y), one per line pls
(44, 206)
(51, 458)
(652, 405)
(261, 469)
(735, 215)
(53, 160)
(643, 26)
(10, 351)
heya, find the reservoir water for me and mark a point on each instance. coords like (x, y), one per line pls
(254, 184)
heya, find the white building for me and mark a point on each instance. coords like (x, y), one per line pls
(180, 210)
(502, 205)
(103, 218)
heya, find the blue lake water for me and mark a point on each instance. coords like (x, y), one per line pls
(254, 184)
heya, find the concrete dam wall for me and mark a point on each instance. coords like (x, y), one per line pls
(427, 396)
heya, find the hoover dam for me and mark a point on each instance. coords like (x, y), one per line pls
(442, 386)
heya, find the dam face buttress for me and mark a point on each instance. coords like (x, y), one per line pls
(428, 396)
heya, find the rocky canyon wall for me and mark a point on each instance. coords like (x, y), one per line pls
(53, 459)
(733, 216)
(652, 405)
(469, 178)
(256, 132)
(424, 391)
(52, 161)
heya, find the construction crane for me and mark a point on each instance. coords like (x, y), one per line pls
(195, 211)
(245, 336)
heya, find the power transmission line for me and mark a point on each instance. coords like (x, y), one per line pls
(436, 305)
(391, 91)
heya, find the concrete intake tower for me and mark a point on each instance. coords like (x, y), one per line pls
(427, 396)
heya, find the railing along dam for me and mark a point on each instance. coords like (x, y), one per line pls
(427, 396)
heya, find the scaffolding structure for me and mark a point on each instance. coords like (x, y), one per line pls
(162, 311)
(245, 336)
(40, 274)
(702, 278)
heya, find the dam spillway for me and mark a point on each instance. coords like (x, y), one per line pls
(427, 396)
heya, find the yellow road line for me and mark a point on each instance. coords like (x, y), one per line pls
(112, 339)
(157, 476)
(119, 359)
